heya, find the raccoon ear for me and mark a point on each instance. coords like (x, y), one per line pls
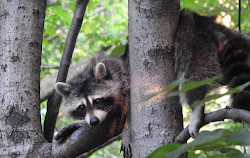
(100, 71)
(63, 89)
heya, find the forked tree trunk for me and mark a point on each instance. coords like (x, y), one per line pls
(154, 123)
(152, 25)
(21, 30)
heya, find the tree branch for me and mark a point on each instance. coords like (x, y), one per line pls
(84, 139)
(239, 18)
(219, 115)
(49, 67)
(101, 146)
(54, 101)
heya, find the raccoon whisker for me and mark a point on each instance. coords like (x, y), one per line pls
(109, 108)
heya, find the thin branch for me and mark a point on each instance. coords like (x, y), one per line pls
(96, 11)
(49, 67)
(54, 101)
(219, 115)
(239, 20)
(51, 2)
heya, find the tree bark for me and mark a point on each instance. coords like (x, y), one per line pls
(21, 29)
(152, 26)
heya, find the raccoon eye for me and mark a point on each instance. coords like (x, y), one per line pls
(81, 107)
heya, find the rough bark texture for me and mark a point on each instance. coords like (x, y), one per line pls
(152, 25)
(21, 29)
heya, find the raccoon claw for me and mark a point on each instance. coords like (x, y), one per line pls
(194, 128)
(126, 143)
(195, 125)
(68, 130)
(127, 153)
(193, 133)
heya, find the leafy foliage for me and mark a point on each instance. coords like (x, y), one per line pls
(226, 11)
(105, 24)
(218, 143)
(189, 85)
(221, 143)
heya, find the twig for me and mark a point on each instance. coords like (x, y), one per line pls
(239, 20)
(49, 67)
(219, 115)
(54, 101)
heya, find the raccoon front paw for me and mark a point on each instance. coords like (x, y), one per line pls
(126, 149)
(194, 128)
(68, 130)
(197, 119)
(126, 143)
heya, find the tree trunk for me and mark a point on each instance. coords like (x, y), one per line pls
(21, 29)
(152, 26)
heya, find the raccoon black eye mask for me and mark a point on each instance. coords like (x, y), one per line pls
(104, 103)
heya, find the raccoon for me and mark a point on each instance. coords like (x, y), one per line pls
(204, 49)
(100, 91)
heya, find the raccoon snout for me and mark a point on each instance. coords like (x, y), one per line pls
(94, 121)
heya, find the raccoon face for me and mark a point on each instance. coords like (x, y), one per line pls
(90, 97)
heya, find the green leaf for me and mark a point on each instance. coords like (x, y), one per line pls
(217, 143)
(127, 38)
(205, 140)
(231, 152)
(243, 86)
(241, 138)
(170, 87)
(119, 50)
(209, 98)
(160, 152)
(189, 86)
(216, 96)
(193, 84)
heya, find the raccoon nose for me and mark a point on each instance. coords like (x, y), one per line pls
(94, 121)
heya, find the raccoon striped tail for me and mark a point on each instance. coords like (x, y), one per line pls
(234, 58)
